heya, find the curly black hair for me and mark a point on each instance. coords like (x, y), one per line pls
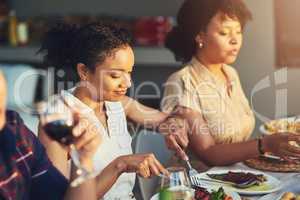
(194, 17)
(65, 45)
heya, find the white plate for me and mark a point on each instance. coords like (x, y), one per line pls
(264, 131)
(272, 182)
(292, 186)
(234, 195)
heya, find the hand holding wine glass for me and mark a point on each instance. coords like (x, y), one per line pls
(63, 124)
(86, 141)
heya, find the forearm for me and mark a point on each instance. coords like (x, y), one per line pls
(227, 154)
(108, 177)
(143, 115)
(86, 190)
(153, 119)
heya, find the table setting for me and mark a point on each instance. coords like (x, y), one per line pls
(267, 177)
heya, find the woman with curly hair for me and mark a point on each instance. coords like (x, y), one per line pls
(103, 58)
(207, 90)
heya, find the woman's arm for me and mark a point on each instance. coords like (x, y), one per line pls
(145, 165)
(56, 152)
(108, 177)
(143, 115)
(86, 190)
(204, 146)
(86, 142)
(152, 119)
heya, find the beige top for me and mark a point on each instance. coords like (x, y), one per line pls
(229, 116)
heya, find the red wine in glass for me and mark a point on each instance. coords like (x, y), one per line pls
(58, 120)
(60, 131)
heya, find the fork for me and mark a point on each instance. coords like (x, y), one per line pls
(192, 173)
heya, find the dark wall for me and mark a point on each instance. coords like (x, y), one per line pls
(111, 7)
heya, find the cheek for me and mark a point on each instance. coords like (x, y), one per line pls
(108, 85)
(219, 43)
(216, 48)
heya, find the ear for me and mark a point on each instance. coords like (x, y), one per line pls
(199, 38)
(82, 71)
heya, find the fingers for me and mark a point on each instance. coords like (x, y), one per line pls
(80, 127)
(163, 128)
(143, 169)
(161, 167)
(172, 144)
(151, 166)
(181, 140)
(84, 135)
(175, 131)
(155, 166)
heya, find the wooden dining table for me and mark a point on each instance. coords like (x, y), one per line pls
(285, 178)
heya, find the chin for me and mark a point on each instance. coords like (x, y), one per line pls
(230, 61)
(115, 98)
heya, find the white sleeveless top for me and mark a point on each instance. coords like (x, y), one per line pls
(116, 141)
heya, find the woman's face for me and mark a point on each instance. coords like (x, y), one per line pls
(112, 78)
(3, 94)
(222, 40)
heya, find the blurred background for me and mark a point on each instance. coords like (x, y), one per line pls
(271, 42)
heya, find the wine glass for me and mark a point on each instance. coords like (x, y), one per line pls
(58, 119)
(177, 185)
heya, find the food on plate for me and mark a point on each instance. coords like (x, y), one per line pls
(176, 192)
(282, 125)
(240, 177)
(202, 194)
(294, 143)
(290, 196)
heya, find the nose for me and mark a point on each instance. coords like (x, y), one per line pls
(235, 39)
(126, 81)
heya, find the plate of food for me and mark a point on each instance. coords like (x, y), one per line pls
(282, 196)
(290, 192)
(245, 182)
(208, 193)
(290, 124)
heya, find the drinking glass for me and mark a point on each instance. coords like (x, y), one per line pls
(177, 184)
(58, 119)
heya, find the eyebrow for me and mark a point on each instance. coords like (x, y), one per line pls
(230, 27)
(122, 70)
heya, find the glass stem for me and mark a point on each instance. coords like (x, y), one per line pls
(76, 159)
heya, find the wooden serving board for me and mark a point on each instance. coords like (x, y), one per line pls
(273, 165)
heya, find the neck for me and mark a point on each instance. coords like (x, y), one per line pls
(212, 67)
(83, 95)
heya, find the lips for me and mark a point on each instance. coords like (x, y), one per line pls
(121, 92)
(233, 52)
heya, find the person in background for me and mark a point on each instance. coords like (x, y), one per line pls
(103, 58)
(26, 172)
(207, 91)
